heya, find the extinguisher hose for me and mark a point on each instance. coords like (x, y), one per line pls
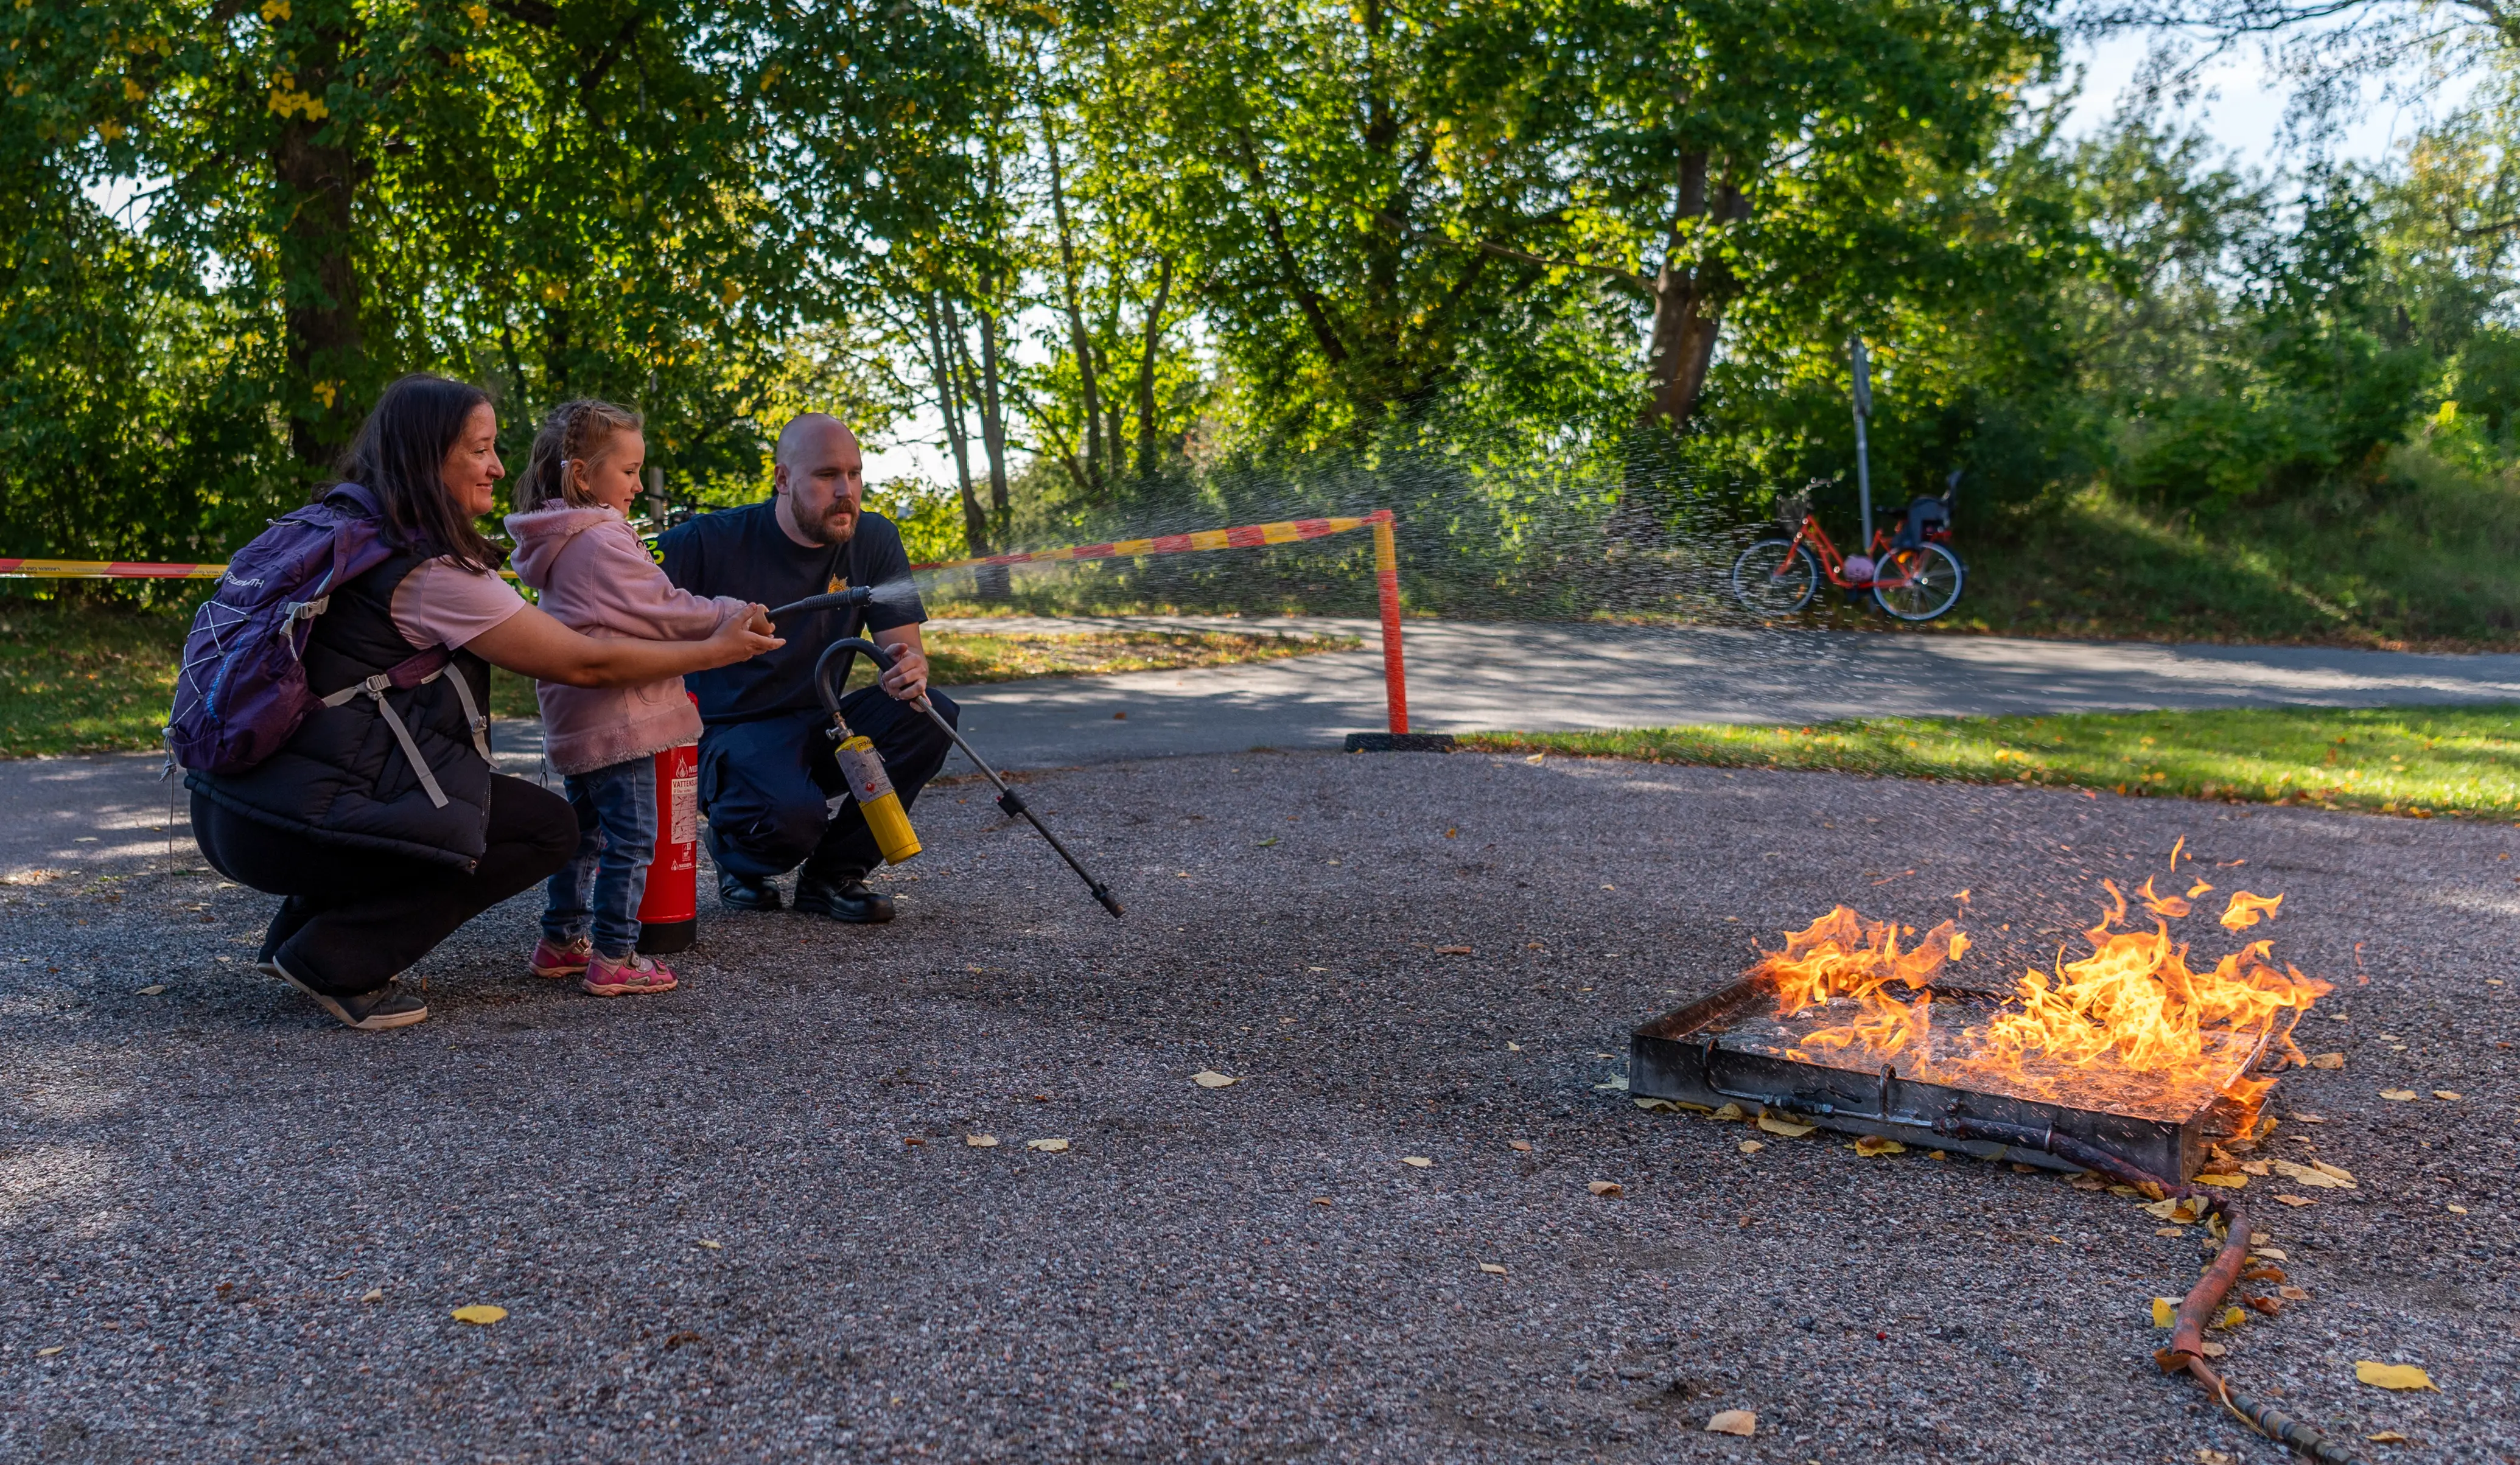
(829, 678)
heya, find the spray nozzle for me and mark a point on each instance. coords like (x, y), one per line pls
(855, 595)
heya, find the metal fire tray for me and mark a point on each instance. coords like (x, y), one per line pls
(1727, 1047)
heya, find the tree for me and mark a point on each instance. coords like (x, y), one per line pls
(1386, 192)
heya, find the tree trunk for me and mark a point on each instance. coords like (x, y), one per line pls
(993, 418)
(1147, 371)
(938, 312)
(1690, 292)
(996, 581)
(324, 343)
(1079, 340)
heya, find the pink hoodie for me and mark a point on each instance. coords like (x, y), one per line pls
(595, 576)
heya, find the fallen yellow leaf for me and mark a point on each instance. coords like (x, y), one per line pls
(1047, 1146)
(480, 1315)
(2397, 1095)
(2213, 1350)
(1491, 1269)
(2296, 1200)
(981, 1141)
(2333, 1172)
(1750, 1146)
(2455, 1209)
(2226, 1183)
(2165, 1311)
(1417, 1162)
(2386, 1437)
(716, 1246)
(2393, 1375)
(2254, 1167)
(375, 1294)
(2232, 1318)
(2329, 1060)
(1211, 1078)
(1734, 1422)
(1605, 1187)
(1452, 950)
(1731, 1112)
(2316, 1177)
(153, 991)
(2206, 1456)
(2446, 1094)
(2272, 1253)
(2292, 1294)
(1774, 1126)
(1875, 1145)
(46, 1353)
(2170, 1230)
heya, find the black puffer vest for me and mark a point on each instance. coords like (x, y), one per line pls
(343, 777)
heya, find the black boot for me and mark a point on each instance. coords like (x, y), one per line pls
(735, 892)
(842, 895)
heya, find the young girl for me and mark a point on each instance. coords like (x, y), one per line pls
(575, 547)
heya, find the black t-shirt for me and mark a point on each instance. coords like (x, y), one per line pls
(744, 552)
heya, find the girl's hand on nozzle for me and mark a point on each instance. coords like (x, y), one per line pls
(739, 639)
(759, 621)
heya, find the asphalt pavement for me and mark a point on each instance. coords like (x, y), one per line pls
(761, 1218)
(112, 813)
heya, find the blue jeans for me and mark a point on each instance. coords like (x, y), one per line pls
(598, 892)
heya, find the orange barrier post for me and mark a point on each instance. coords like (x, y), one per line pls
(1386, 575)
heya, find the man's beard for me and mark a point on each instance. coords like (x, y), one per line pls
(834, 528)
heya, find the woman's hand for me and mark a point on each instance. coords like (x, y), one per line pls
(531, 644)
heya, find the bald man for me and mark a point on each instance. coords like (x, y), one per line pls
(767, 772)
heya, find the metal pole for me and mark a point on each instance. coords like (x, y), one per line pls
(1863, 462)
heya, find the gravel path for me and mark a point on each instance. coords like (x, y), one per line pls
(713, 1242)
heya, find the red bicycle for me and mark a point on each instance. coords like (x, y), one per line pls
(1913, 575)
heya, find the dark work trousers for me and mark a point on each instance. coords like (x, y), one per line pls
(355, 919)
(765, 785)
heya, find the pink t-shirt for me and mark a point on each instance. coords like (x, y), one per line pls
(442, 603)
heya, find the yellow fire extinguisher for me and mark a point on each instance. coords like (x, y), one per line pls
(872, 787)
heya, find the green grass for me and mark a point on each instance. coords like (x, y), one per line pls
(2415, 761)
(77, 676)
(2427, 560)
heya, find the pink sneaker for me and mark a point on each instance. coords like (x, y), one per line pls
(557, 962)
(628, 976)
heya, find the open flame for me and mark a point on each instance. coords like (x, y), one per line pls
(2133, 1017)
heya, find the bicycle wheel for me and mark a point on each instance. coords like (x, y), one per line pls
(1775, 577)
(1925, 583)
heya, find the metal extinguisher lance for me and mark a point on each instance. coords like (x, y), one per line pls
(830, 674)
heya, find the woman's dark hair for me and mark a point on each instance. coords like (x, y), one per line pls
(400, 457)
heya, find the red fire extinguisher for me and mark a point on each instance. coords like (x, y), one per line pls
(669, 913)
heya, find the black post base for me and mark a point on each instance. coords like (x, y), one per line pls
(664, 938)
(1400, 742)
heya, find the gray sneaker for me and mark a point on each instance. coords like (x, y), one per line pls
(392, 1005)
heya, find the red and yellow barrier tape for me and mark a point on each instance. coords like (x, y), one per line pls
(106, 569)
(1386, 563)
(1238, 537)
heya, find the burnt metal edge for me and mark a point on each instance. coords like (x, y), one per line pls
(1675, 1058)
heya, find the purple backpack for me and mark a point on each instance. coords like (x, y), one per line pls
(240, 691)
